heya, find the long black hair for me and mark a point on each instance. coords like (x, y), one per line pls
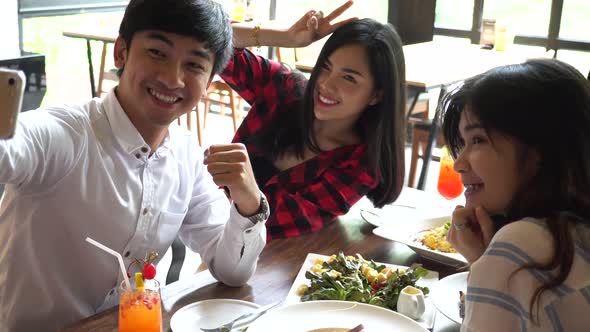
(381, 126)
(545, 105)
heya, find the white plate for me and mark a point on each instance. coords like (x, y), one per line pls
(411, 204)
(374, 216)
(445, 295)
(406, 231)
(301, 317)
(209, 314)
(426, 321)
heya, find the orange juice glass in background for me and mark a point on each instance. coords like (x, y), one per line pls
(449, 181)
(140, 310)
(239, 10)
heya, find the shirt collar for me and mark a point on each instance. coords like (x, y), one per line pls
(124, 131)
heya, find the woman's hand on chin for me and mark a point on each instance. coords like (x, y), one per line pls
(471, 231)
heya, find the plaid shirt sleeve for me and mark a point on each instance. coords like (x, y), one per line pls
(257, 79)
(266, 85)
(315, 192)
(248, 74)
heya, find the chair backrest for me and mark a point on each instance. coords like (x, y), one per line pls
(286, 56)
(178, 253)
(310, 53)
(106, 75)
(302, 58)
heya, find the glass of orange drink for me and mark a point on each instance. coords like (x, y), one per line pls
(140, 308)
(449, 183)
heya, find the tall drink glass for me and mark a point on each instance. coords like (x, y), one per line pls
(449, 181)
(140, 309)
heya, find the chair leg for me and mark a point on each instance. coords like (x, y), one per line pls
(102, 65)
(178, 254)
(427, 155)
(220, 103)
(189, 121)
(414, 161)
(240, 108)
(234, 111)
(206, 110)
(202, 267)
(199, 134)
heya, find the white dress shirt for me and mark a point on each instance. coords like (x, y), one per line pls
(84, 170)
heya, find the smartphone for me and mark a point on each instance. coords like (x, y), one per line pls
(12, 89)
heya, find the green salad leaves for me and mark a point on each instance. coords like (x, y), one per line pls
(348, 278)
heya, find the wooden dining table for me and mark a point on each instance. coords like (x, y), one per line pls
(105, 36)
(282, 259)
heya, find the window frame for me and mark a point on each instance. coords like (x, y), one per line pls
(62, 7)
(57, 9)
(551, 42)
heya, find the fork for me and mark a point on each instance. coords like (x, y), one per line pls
(245, 318)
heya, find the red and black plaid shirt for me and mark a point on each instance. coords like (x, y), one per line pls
(305, 197)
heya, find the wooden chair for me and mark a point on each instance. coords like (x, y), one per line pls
(434, 138)
(222, 94)
(178, 254)
(303, 65)
(108, 75)
(189, 123)
(420, 126)
(420, 136)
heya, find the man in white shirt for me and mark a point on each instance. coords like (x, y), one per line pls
(112, 170)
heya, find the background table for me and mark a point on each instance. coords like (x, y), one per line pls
(100, 35)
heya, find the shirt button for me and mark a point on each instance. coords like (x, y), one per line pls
(127, 254)
(145, 211)
(137, 155)
(144, 149)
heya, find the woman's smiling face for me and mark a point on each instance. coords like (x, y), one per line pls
(493, 166)
(344, 87)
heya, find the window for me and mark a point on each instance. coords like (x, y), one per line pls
(522, 17)
(247, 10)
(554, 24)
(455, 14)
(580, 60)
(288, 11)
(45, 7)
(575, 22)
(66, 65)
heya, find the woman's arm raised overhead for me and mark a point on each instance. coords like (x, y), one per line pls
(309, 28)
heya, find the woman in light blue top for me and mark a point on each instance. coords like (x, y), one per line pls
(520, 135)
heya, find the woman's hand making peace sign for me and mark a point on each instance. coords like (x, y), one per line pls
(314, 26)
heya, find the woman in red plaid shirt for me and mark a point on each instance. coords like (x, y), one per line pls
(317, 146)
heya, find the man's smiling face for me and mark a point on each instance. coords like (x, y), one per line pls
(164, 76)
